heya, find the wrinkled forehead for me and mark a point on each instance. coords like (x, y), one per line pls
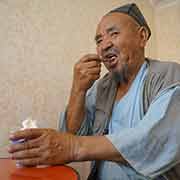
(119, 20)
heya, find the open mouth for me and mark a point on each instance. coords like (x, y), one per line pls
(111, 59)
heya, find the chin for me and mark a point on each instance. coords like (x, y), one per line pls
(120, 74)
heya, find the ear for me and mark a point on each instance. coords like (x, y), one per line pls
(143, 32)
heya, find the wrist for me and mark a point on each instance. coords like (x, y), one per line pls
(80, 150)
(85, 148)
(96, 148)
(78, 91)
(78, 88)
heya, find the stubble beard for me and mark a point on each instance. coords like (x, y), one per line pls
(121, 76)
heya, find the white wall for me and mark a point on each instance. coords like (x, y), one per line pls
(39, 43)
(167, 28)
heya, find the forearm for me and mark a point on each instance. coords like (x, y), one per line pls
(86, 72)
(97, 148)
(75, 110)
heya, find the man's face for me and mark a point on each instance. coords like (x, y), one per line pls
(118, 43)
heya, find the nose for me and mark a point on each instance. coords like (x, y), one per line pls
(106, 44)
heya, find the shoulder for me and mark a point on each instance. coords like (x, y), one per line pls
(165, 72)
(164, 67)
(161, 75)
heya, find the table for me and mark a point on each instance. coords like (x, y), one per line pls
(9, 171)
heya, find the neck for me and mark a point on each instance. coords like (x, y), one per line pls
(133, 69)
(124, 87)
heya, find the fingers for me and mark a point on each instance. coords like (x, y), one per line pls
(50, 148)
(92, 64)
(23, 146)
(88, 63)
(90, 57)
(30, 161)
(26, 154)
(26, 134)
(89, 67)
(86, 71)
(93, 71)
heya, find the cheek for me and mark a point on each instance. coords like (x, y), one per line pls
(124, 52)
(127, 49)
(123, 56)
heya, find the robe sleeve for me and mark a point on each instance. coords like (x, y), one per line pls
(153, 146)
(86, 126)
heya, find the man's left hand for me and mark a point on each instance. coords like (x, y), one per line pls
(43, 147)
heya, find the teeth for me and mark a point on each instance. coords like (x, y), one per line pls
(113, 57)
(110, 56)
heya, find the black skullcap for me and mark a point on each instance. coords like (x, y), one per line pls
(133, 11)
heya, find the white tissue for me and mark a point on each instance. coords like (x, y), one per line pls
(29, 123)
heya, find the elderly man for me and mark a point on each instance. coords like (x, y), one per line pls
(127, 122)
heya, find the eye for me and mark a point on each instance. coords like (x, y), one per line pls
(98, 41)
(114, 33)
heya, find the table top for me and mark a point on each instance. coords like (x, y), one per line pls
(9, 171)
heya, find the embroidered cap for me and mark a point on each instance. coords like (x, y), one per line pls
(133, 11)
